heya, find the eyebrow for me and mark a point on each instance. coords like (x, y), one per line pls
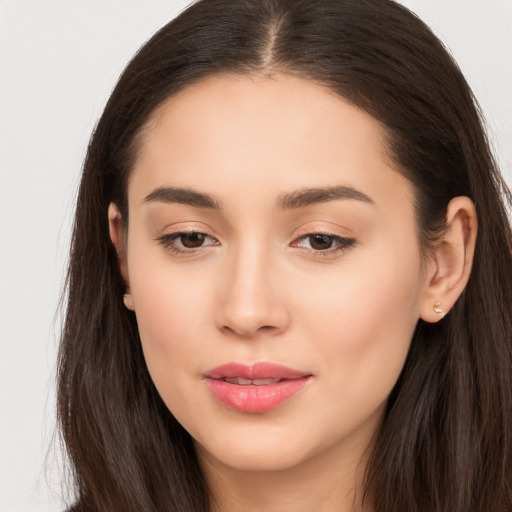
(182, 196)
(310, 196)
(297, 199)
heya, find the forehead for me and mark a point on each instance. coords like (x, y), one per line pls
(255, 132)
(263, 105)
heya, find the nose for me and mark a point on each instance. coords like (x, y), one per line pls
(251, 300)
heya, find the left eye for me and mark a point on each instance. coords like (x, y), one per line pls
(324, 242)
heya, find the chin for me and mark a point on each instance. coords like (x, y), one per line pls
(253, 459)
(248, 450)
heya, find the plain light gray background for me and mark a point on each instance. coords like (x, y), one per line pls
(58, 61)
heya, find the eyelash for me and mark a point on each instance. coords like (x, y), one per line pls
(169, 242)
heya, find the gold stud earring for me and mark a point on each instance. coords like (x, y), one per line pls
(128, 301)
(438, 310)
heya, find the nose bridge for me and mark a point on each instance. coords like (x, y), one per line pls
(250, 300)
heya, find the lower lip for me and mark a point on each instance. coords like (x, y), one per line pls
(255, 398)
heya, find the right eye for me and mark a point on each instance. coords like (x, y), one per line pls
(186, 242)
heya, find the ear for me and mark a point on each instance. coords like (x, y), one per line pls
(449, 268)
(115, 225)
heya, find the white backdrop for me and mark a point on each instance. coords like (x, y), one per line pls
(58, 61)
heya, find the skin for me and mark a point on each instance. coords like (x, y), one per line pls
(257, 291)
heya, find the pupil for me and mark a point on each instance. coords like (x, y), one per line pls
(320, 242)
(191, 240)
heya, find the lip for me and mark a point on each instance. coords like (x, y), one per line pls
(255, 398)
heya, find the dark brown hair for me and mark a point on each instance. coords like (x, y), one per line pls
(445, 441)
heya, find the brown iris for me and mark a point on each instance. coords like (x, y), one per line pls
(192, 240)
(321, 242)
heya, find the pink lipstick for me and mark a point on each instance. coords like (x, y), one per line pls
(257, 388)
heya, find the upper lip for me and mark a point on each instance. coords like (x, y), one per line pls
(261, 370)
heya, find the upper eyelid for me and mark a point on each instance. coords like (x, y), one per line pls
(323, 226)
(304, 232)
(296, 236)
(172, 230)
(324, 233)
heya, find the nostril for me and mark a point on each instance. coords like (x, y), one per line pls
(248, 329)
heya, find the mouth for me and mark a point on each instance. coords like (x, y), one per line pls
(240, 381)
(257, 388)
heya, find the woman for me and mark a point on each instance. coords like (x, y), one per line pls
(289, 279)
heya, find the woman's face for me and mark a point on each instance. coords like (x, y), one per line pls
(273, 261)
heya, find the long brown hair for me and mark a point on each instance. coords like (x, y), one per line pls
(445, 442)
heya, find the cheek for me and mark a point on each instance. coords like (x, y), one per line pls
(171, 306)
(361, 325)
(168, 311)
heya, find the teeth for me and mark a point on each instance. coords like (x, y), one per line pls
(264, 382)
(247, 382)
(238, 380)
